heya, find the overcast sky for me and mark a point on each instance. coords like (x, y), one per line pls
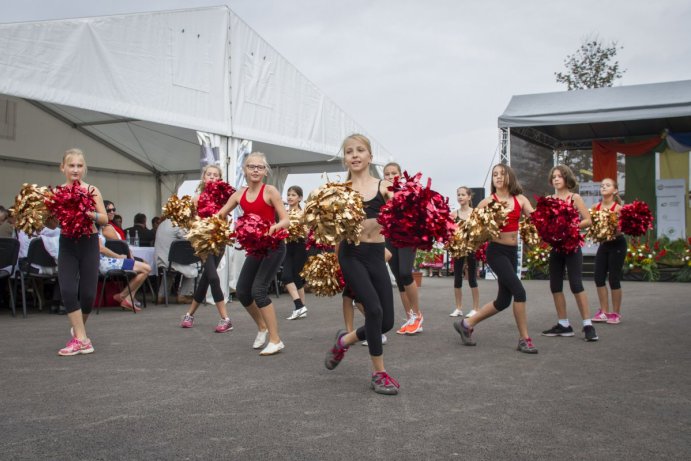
(428, 79)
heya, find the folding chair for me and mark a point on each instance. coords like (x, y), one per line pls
(9, 251)
(120, 247)
(39, 256)
(181, 252)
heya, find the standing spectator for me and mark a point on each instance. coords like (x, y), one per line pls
(155, 221)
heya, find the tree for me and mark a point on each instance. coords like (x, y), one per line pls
(592, 66)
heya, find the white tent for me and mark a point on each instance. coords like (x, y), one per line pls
(137, 91)
(140, 92)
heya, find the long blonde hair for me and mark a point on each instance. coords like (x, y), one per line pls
(358, 137)
(74, 152)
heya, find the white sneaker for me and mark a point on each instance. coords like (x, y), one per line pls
(471, 313)
(456, 313)
(383, 341)
(298, 313)
(260, 339)
(272, 348)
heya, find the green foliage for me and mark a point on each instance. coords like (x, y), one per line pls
(426, 256)
(593, 65)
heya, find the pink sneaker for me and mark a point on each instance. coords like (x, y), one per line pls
(75, 346)
(613, 318)
(187, 321)
(224, 325)
(600, 316)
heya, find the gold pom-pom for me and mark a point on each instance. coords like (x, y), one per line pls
(180, 211)
(334, 212)
(603, 227)
(459, 244)
(30, 209)
(529, 233)
(296, 229)
(323, 274)
(210, 236)
(484, 224)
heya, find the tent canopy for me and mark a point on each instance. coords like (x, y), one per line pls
(143, 84)
(572, 119)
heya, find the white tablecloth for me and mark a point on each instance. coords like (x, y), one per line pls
(146, 253)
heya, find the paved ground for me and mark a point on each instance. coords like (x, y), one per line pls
(155, 391)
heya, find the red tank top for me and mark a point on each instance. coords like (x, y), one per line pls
(259, 206)
(599, 206)
(511, 223)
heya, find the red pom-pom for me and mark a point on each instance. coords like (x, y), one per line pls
(69, 204)
(635, 218)
(416, 216)
(557, 223)
(214, 196)
(251, 234)
(481, 252)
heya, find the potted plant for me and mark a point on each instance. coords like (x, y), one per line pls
(536, 261)
(640, 263)
(423, 257)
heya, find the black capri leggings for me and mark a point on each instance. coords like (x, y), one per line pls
(296, 257)
(364, 270)
(210, 278)
(257, 274)
(573, 263)
(458, 271)
(503, 260)
(401, 264)
(610, 258)
(78, 261)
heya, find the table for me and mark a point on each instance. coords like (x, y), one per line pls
(146, 254)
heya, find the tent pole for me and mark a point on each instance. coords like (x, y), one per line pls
(505, 154)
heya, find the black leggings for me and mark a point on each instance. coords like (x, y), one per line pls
(503, 260)
(296, 257)
(610, 258)
(78, 261)
(573, 263)
(364, 270)
(256, 275)
(458, 271)
(401, 264)
(210, 277)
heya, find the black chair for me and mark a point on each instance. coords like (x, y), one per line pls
(9, 251)
(181, 252)
(120, 245)
(122, 248)
(39, 256)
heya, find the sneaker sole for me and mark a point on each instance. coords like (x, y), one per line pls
(384, 391)
(554, 335)
(527, 351)
(224, 331)
(411, 333)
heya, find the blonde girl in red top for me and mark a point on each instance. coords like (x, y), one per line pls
(502, 258)
(209, 277)
(257, 272)
(609, 259)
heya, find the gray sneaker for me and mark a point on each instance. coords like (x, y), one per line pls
(336, 353)
(464, 331)
(525, 345)
(382, 383)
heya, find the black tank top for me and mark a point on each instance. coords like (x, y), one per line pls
(372, 206)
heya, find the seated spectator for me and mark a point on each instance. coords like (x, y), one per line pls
(165, 236)
(112, 261)
(6, 223)
(146, 235)
(155, 221)
(117, 220)
(112, 230)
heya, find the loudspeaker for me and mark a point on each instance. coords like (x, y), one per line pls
(478, 195)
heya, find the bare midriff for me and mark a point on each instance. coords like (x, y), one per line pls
(371, 232)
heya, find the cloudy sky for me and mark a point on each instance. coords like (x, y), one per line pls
(428, 79)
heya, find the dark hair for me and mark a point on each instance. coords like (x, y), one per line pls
(140, 218)
(398, 167)
(513, 185)
(297, 190)
(107, 202)
(566, 173)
